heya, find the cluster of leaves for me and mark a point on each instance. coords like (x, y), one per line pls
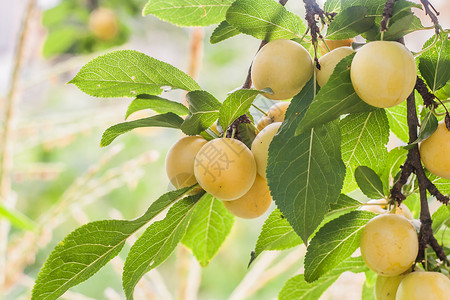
(330, 144)
(67, 25)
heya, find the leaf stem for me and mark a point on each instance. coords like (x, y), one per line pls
(259, 109)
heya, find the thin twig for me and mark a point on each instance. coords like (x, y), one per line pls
(432, 14)
(387, 14)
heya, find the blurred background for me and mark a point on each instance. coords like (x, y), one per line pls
(56, 177)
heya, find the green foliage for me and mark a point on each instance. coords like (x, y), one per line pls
(368, 292)
(434, 64)
(298, 288)
(440, 217)
(156, 243)
(188, 12)
(265, 19)
(203, 112)
(305, 172)
(276, 234)
(87, 249)
(332, 6)
(398, 121)
(364, 140)
(334, 243)
(236, 104)
(158, 104)
(336, 98)
(349, 23)
(369, 182)
(209, 226)
(222, 32)
(128, 73)
(169, 120)
(247, 133)
(395, 159)
(428, 125)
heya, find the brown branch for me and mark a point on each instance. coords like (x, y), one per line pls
(427, 96)
(432, 14)
(387, 13)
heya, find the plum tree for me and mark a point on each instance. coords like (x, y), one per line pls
(386, 286)
(329, 61)
(225, 168)
(260, 147)
(180, 160)
(254, 203)
(435, 150)
(383, 73)
(283, 66)
(389, 244)
(424, 286)
(103, 23)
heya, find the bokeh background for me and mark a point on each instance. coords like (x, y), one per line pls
(61, 178)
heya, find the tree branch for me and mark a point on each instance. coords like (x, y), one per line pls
(432, 14)
(387, 13)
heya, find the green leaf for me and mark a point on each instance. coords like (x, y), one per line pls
(276, 234)
(61, 40)
(440, 216)
(87, 249)
(305, 172)
(442, 184)
(156, 243)
(247, 133)
(169, 120)
(398, 121)
(16, 218)
(395, 159)
(369, 182)
(364, 140)
(349, 23)
(297, 288)
(332, 6)
(334, 242)
(127, 73)
(158, 104)
(373, 6)
(434, 64)
(210, 225)
(402, 27)
(222, 32)
(344, 204)
(203, 112)
(188, 12)
(336, 98)
(236, 104)
(429, 125)
(265, 20)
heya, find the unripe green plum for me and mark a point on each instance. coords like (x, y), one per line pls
(277, 111)
(260, 147)
(383, 73)
(435, 150)
(386, 287)
(424, 286)
(329, 61)
(103, 24)
(283, 66)
(225, 168)
(254, 203)
(389, 244)
(180, 160)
